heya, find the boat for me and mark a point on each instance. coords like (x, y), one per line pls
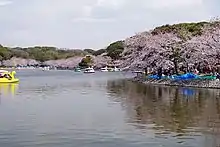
(89, 70)
(77, 69)
(8, 77)
(25, 67)
(45, 68)
(115, 69)
(104, 69)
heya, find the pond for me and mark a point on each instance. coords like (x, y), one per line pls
(72, 109)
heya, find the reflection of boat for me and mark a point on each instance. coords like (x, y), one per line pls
(89, 70)
(104, 69)
(8, 77)
(8, 88)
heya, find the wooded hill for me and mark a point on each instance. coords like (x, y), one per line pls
(45, 53)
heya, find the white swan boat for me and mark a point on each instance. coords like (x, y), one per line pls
(104, 69)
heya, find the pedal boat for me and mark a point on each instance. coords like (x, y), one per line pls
(8, 77)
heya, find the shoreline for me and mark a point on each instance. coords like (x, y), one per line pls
(193, 83)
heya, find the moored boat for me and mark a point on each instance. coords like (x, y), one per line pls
(115, 69)
(45, 68)
(89, 70)
(104, 69)
(77, 69)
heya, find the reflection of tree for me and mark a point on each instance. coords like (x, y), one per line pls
(168, 108)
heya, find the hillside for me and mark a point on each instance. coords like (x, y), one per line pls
(52, 56)
(187, 43)
(39, 53)
(68, 58)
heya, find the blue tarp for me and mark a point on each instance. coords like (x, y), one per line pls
(154, 77)
(186, 76)
(175, 77)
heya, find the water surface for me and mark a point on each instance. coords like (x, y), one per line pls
(63, 108)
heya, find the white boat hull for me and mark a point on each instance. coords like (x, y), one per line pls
(89, 71)
(104, 70)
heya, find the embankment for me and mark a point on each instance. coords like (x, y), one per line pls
(196, 83)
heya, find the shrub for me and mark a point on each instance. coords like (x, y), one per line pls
(183, 30)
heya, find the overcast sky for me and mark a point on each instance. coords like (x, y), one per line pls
(92, 23)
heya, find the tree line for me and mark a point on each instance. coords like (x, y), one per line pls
(44, 53)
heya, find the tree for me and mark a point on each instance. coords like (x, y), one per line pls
(115, 49)
(86, 62)
(5, 53)
(90, 51)
(99, 52)
(50, 53)
(19, 52)
(175, 55)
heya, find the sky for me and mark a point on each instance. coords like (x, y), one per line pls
(92, 23)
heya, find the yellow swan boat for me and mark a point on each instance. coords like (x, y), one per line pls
(8, 77)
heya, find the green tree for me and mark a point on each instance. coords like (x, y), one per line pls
(115, 49)
(5, 53)
(50, 53)
(19, 52)
(86, 62)
(90, 51)
(99, 52)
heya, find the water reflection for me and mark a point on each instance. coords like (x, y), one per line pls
(7, 89)
(171, 110)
